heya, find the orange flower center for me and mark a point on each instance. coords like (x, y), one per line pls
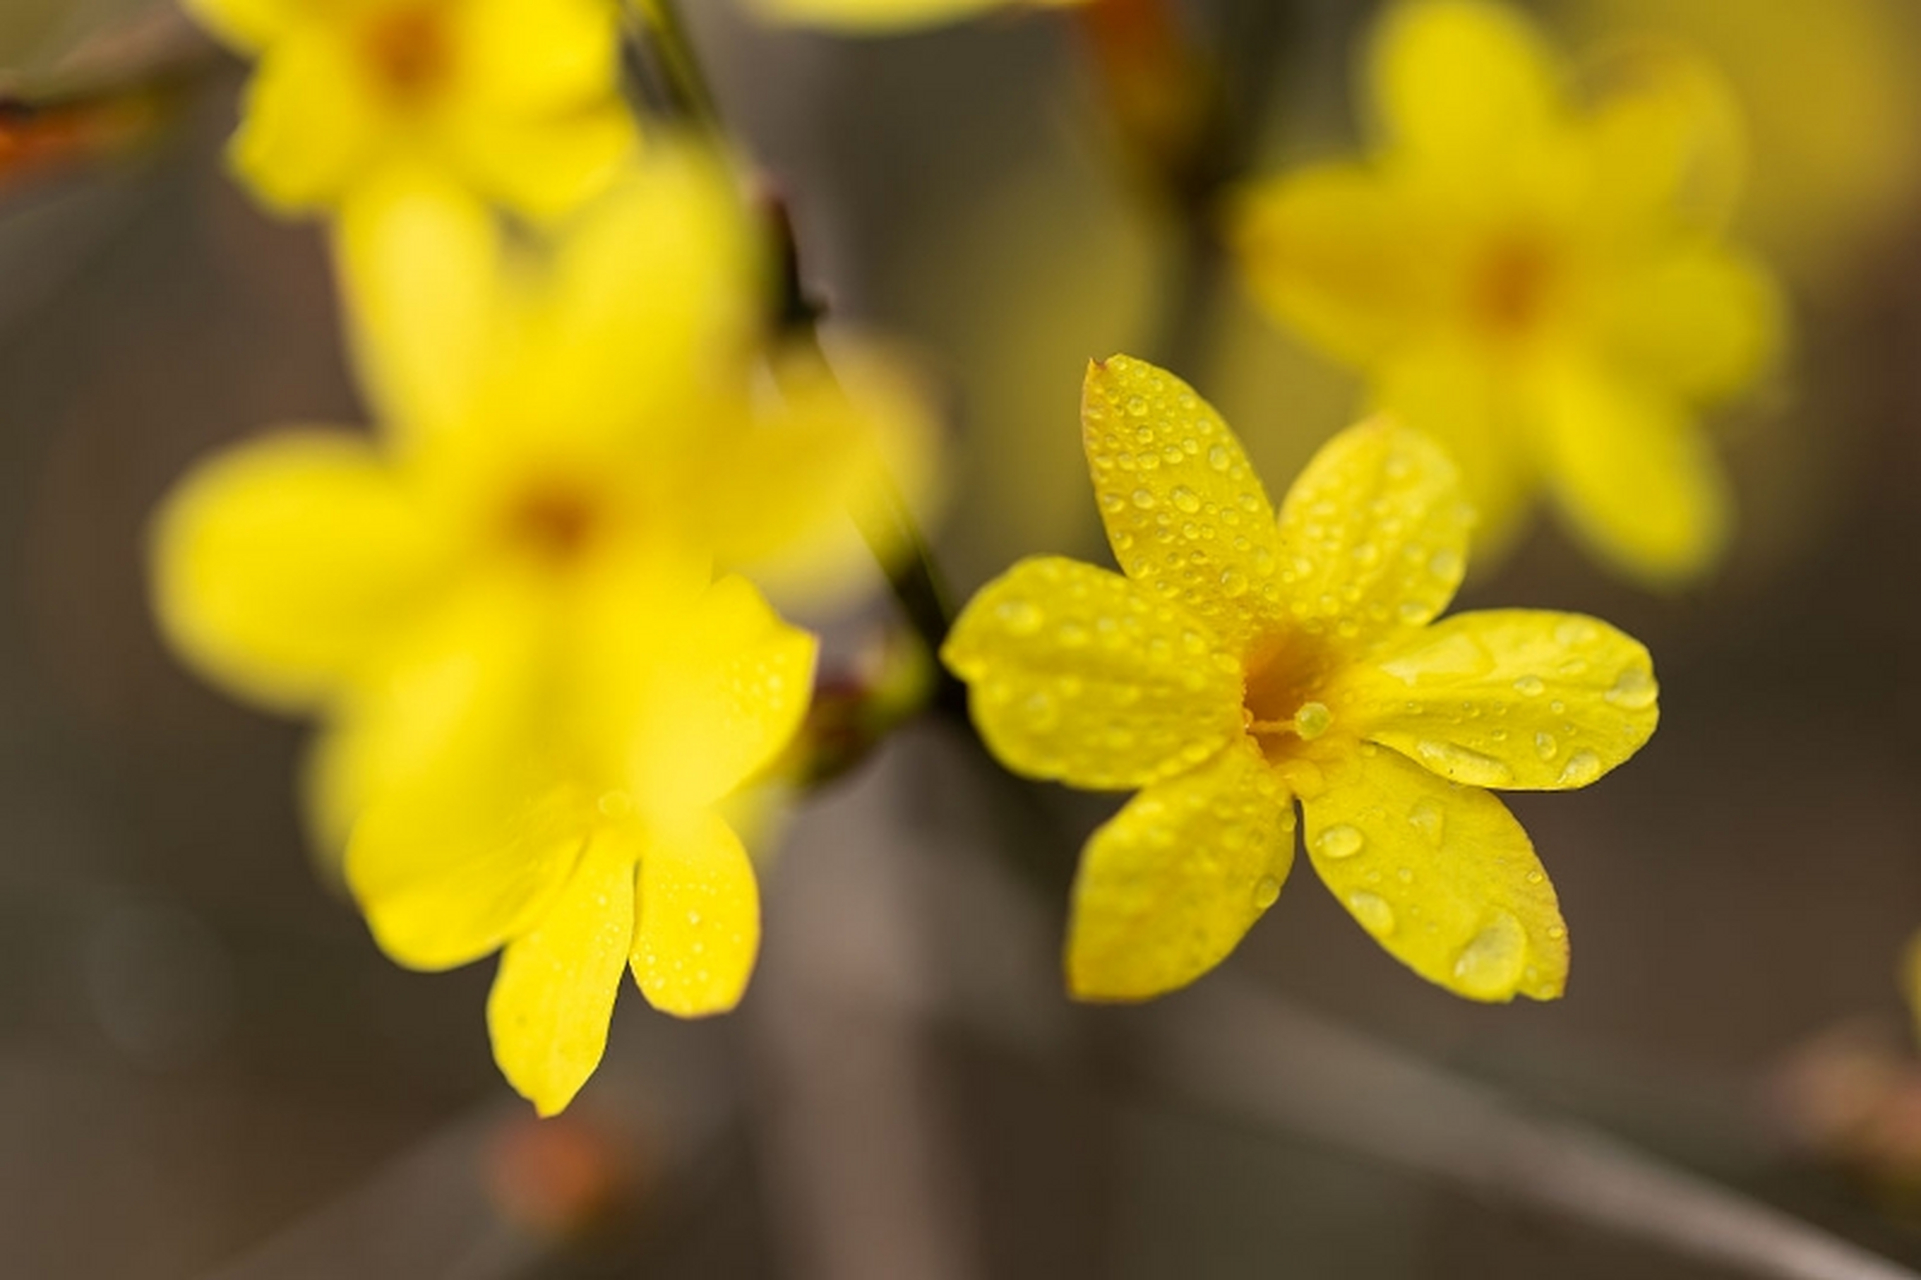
(1511, 288)
(556, 522)
(1280, 704)
(409, 52)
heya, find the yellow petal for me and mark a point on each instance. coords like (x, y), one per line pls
(420, 262)
(1448, 391)
(1668, 139)
(1441, 875)
(247, 25)
(554, 994)
(1374, 535)
(544, 167)
(1081, 675)
(281, 566)
(884, 17)
(1171, 884)
(1464, 85)
(308, 126)
(1635, 477)
(447, 873)
(1339, 254)
(534, 56)
(653, 294)
(812, 490)
(1185, 512)
(699, 925)
(1507, 698)
(1702, 321)
(704, 705)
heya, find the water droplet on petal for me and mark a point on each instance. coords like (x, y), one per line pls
(1462, 765)
(1545, 746)
(1340, 841)
(1373, 911)
(1634, 690)
(1490, 966)
(1582, 768)
(1144, 499)
(1530, 686)
(1218, 458)
(1574, 632)
(1312, 720)
(1020, 617)
(1429, 820)
(1266, 892)
(1233, 583)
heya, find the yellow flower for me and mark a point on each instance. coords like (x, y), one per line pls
(1544, 289)
(1245, 663)
(538, 700)
(877, 17)
(519, 99)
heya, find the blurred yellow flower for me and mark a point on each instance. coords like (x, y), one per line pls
(877, 17)
(1831, 94)
(1542, 288)
(1245, 662)
(519, 99)
(537, 696)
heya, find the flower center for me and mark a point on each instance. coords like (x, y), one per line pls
(556, 522)
(1279, 706)
(1511, 287)
(408, 52)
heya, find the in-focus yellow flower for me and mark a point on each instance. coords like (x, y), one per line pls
(1542, 288)
(537, 697)
(518, 99)
(1244, 663)
(882, 17)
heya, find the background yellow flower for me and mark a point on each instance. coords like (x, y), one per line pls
(519, 99)
(1541, 285)
(502, 608)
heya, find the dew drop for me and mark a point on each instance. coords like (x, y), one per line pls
(1143, 499)
(1266, 892)
(1446, 565)
(1462, 765)
(1489, 967)
(1428, 819)
(1233, 583)
(1339, 842)
(1574, 632)
(1020, 617)
(1582, 768)
(1530, 686)
(1312, 720)
(1218, 458)
(1633, 690)
(1545, 746)
(1373, 911)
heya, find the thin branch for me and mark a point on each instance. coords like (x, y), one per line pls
(1235, 1050)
